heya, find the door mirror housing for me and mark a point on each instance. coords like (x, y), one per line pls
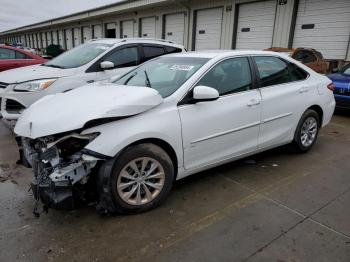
(105, 65)
(205, 93)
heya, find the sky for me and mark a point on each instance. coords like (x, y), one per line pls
(20, 13)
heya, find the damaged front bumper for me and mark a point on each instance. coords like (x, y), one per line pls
(61, 175)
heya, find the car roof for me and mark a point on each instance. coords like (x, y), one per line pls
(115, 41)
(222, 53)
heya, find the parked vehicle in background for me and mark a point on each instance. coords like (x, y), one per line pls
(341, 80)
(169, 118)
(11, 57)
(95, 60)
(308, 56)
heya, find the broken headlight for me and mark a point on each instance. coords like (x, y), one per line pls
(72, 144)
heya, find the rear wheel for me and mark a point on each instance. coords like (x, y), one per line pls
(307, 131)
(136, 181)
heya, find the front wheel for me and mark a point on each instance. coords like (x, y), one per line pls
(307, 131)
(136, 181)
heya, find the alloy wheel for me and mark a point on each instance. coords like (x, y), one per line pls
(140, 181)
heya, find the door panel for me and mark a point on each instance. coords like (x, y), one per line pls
(148, 27)
(285, 97)
(127, 29)
(208, 29)
(228, 127)
(221, 129)
(255, 25)
(175, 28)
(86, 33)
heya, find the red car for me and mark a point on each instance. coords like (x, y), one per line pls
(11, 57)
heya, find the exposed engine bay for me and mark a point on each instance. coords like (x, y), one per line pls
(61, 167)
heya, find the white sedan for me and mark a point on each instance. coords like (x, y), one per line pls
(173, 116)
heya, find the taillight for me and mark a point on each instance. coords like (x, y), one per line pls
(331, 87)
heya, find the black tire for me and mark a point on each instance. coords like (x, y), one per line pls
(109, 200)
(297, 144)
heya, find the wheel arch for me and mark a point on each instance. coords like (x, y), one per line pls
(162, 144)
(319, 111)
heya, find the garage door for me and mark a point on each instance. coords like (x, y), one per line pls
(54, 37)
(49, 39)
(110, 31)
(61, 38)
(97, 31)
(175, 28)
(127, 29)
(148, 27)
(323, 25)
(208, 29)
(255, 25)
(77, 36)
(86, 33)
(69, 40)
(43, 40)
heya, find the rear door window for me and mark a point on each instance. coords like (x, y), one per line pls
(20, 55)
(171, 49)
(7, 54)
(152, 51)
(275, 71)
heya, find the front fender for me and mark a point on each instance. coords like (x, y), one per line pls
(163, 124)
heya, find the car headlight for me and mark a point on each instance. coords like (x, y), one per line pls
(36, 85)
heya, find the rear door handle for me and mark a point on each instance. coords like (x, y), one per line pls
(303, 89)
(253, 102)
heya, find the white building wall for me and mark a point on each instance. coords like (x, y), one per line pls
(135, 10)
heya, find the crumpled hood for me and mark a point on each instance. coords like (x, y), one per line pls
(69, 111)
(27, 73)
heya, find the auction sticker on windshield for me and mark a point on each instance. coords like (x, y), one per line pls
(182, 67)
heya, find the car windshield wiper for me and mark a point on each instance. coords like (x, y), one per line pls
(130, 77)
(55, 66)
(148, 83)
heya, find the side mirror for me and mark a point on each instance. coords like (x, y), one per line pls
(205, 93)
(105, 65)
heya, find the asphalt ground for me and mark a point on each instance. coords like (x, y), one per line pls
(274, 206)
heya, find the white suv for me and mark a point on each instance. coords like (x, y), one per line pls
(169, 118)
(94, 61)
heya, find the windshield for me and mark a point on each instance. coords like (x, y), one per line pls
(78, 56)
(165, 74)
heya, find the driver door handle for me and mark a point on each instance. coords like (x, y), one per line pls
(253, 102)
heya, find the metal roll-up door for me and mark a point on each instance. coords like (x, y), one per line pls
(127, 29)
(61, 39)
(43, 40)
(97, 33)
(49, 38)
(175, 28)
(148, 27)
(77, 36)
(54, 38)
(208, 28)
(255, 25)
(69, 40)
(323, 25)
(87, 33)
